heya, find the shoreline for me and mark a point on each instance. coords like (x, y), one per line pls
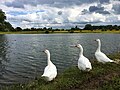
(102, 76)
(61, 32)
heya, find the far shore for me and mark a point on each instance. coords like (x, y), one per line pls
(65, 31)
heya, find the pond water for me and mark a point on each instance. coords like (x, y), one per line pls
(22, 59)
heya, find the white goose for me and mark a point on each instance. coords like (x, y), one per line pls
(100, 56)
(83, 62)
(50, 71)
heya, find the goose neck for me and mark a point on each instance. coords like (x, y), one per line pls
(99, 46)
(81, 51)
(48, 59)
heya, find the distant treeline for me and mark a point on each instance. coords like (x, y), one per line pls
(6, 27)
(102, 27)
(76, 28)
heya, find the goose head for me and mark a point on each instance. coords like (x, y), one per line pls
(99, 45)
(98, 40)
(46, 51)
(78, 46)
(81, 49)
(48, 55)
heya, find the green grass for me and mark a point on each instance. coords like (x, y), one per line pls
(23, 32)
(101, 77)
(76, 31)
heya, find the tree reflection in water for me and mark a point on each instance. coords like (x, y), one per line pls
(3, 56)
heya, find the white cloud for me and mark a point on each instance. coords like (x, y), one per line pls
(108, 7)
(112, 19)
(3, 1)
(45, 15)
(94, 17)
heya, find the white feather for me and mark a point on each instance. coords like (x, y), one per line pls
(100, 56)
(50, 71)
(83, 62)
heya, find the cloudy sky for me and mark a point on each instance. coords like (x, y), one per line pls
(61, 13)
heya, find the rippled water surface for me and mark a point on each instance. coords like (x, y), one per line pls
(22, 59)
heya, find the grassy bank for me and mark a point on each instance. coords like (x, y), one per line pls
(101, 77)
(76, 31)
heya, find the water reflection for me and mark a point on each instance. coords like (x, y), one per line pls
(3, 47)
(3, 56)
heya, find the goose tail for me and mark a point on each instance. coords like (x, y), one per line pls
(117, 61)
(88, 69)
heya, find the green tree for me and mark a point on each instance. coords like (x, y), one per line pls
(109, 27)
(4, 26)
(88, 27)
(2, 16)
(47, 31)
(44, 28)
(116, 27)
(18, 29)
(8, 27)
(76, 28)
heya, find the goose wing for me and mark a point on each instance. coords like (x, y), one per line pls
(50, 71)
(102, 57)
(84, 63)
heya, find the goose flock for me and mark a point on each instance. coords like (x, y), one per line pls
(50, 71)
